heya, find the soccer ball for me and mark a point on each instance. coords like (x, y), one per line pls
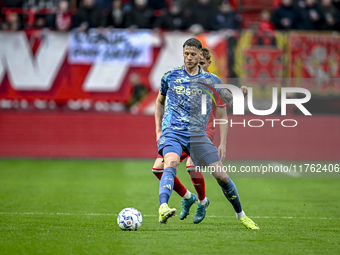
(129, 219)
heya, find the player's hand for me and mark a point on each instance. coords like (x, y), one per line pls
(158, 136)
(244, 90)
(222, 151)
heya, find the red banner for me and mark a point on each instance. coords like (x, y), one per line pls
(264, 62)
(314, 62)
(34, 69)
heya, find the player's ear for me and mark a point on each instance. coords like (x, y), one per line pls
(209, 62)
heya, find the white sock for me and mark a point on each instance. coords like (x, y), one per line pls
(203, 202)
(187, 195)
(240, 215)
(162, 205)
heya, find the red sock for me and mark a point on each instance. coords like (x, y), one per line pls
(178, 186)
(198, 181)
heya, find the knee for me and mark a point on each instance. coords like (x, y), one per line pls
(173, 164)
(158, 164)
(222, 179)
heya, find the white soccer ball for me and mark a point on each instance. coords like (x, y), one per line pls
(129, 219)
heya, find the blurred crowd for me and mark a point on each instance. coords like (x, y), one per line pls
(307, 15)
(63, 15)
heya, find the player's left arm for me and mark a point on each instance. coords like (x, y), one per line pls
(227, 97)
(222, 114)
(224, 94)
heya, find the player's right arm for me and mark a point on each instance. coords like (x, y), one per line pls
(159, 112)
(222, 114)
(160, 102)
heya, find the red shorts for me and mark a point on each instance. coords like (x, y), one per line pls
(211, 135)
(183, 156)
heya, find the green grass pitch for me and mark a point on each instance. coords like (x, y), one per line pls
(71, 206)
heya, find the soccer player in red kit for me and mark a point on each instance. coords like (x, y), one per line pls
(196, 176)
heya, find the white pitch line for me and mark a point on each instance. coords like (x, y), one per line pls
(209, 216)
(70, 214)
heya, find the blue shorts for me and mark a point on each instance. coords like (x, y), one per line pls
(201, 150)
(174, 141)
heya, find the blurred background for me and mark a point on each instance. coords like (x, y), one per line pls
(78, 79)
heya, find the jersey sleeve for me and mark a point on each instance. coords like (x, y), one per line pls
(164, 84)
